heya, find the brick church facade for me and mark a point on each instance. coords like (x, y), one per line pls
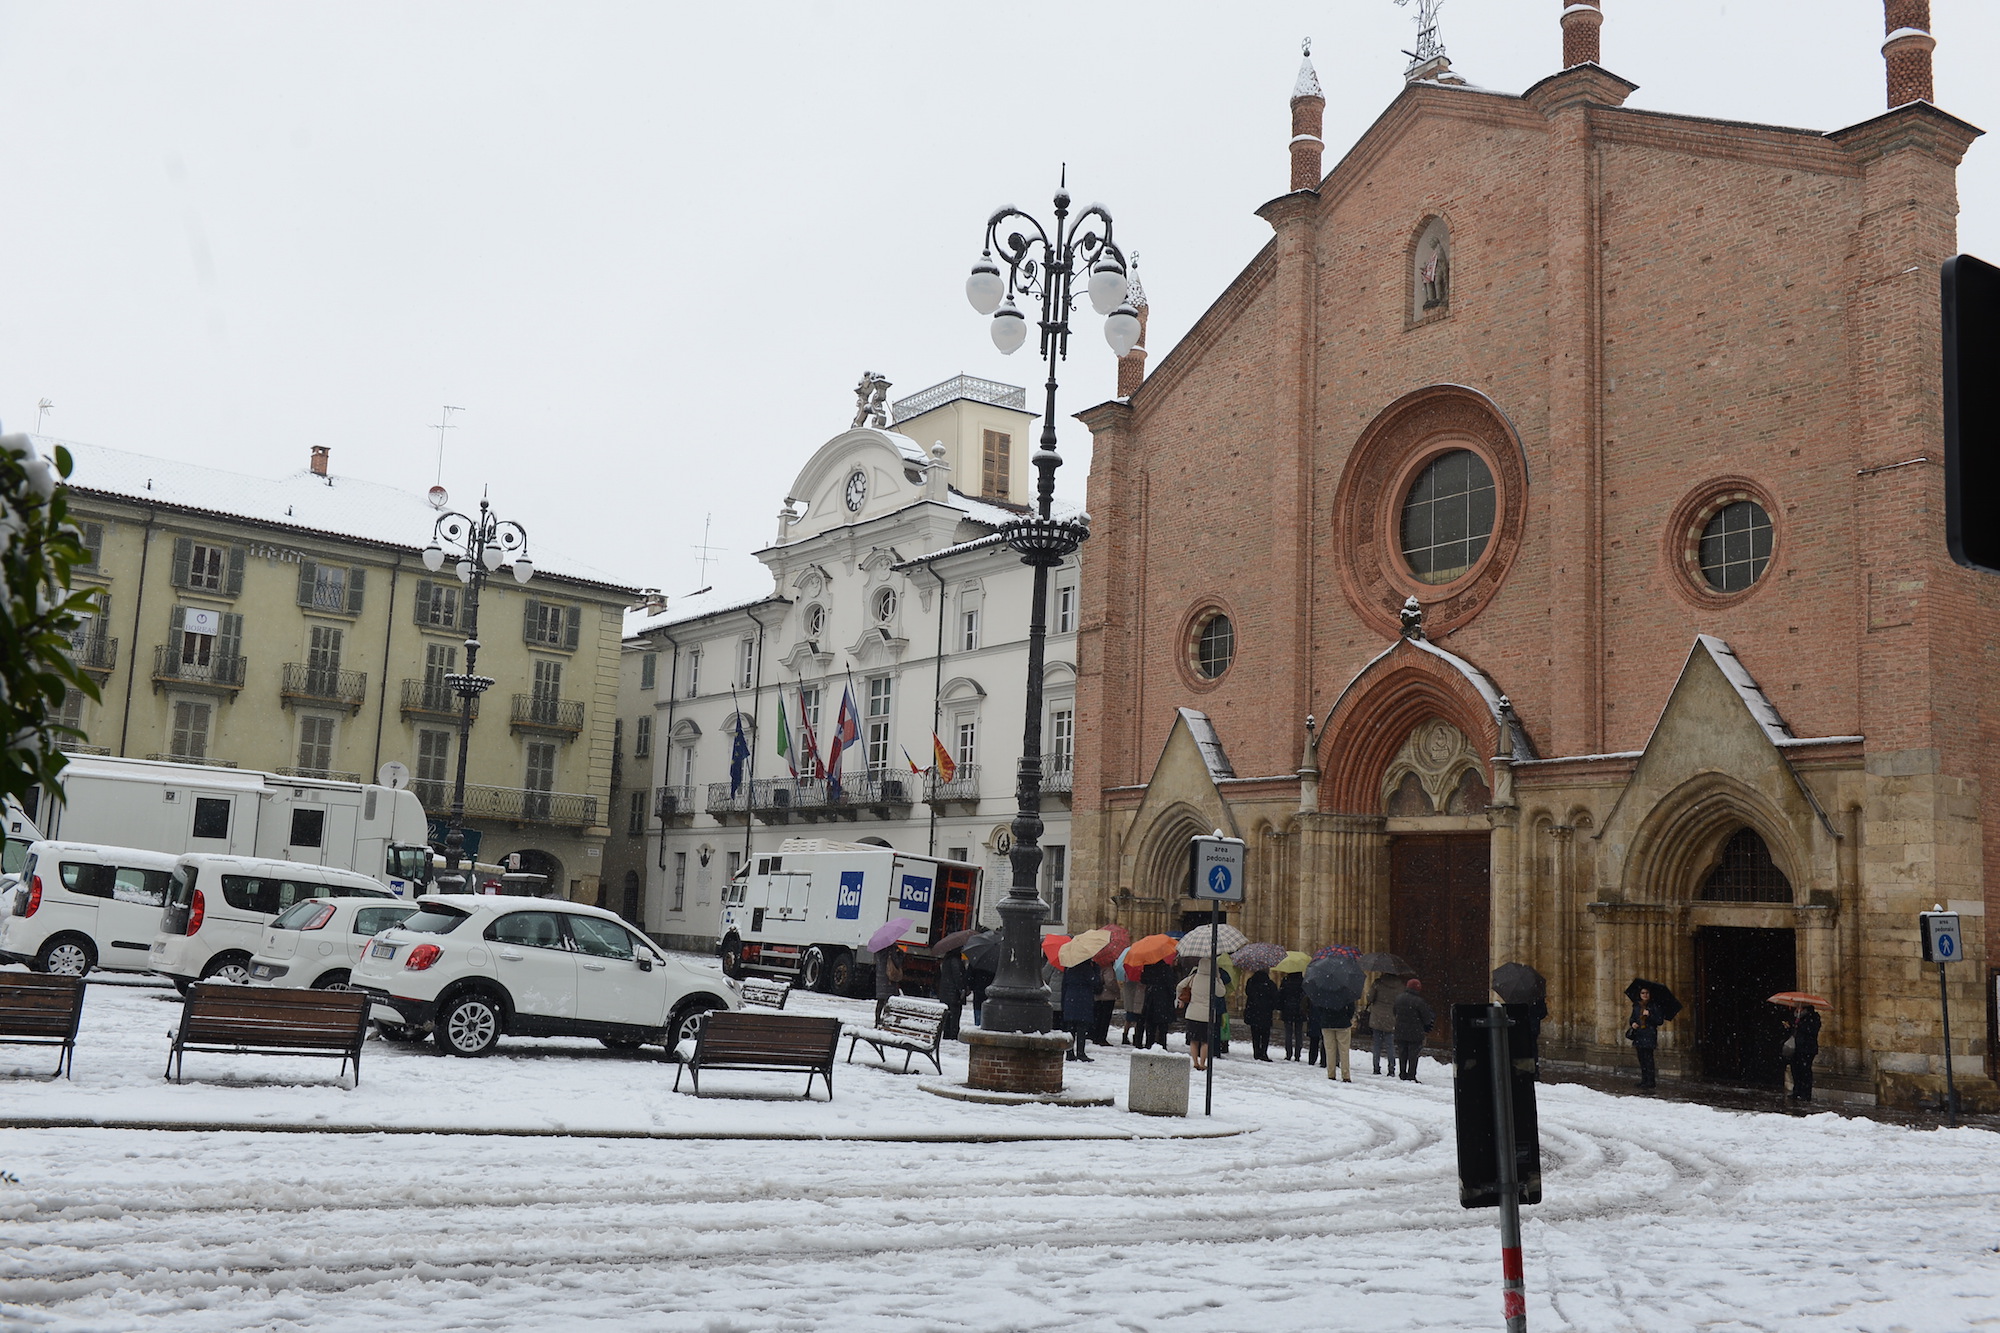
(1537, 553)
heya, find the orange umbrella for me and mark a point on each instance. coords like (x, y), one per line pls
(1051, 946)
(1788, 998)
(1153, 949)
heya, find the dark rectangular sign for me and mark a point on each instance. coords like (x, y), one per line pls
(1971, 300)
(1478, 1162)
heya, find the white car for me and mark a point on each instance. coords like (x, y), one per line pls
(82, 906)
(473, 968)
(218, 906)
(315, 943)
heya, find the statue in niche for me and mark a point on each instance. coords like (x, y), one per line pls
(871, 400)
(1436, 275)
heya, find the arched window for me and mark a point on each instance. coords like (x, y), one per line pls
(1746, 873)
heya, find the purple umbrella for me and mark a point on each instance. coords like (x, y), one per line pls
(1252, 957)
(1336, 951)
(889, 932)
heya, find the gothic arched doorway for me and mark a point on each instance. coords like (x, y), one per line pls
(1737, 968)
(1440, 872)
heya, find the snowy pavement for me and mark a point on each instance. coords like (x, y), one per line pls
(1334, 1207)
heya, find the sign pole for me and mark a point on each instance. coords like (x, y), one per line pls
(1950, 1088)
(1513, 1284)
(1214, 1028)
(1938, 930)
(1215, 873)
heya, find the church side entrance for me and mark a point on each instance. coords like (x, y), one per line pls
(1440, 898)
(1737, 1031)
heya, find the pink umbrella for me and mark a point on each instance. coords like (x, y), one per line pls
(889, 932)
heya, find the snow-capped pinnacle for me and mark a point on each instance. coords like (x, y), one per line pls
(1308, 84)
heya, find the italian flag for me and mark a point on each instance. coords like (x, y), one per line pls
(785, 740)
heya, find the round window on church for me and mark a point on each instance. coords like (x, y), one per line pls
(1214, 646)
(1735, 546)
(1448, 516)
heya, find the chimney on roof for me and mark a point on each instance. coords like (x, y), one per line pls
(1906, 51)
(1132, 365)
(320, 452)
(653, 600)
(1581, 20)
(1308, 122)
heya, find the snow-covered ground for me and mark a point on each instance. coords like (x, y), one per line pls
(1333, 1207)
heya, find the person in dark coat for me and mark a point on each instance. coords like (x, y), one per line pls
(1292, 1009)
(1526, 1038)
(951, 992)
(1644, 1033)
(1260, 1005)
(1079, 1005)
(1804, 1025)
(1414, 1018)
(1336, 1029)
(977, 979)
(1107, 1004)
(1158, 978)
(1382, 1019)
(888, 978)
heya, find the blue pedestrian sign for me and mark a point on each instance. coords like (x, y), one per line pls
(1215, 869)
(1942, 942)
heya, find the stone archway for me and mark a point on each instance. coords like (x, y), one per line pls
(1159, 886)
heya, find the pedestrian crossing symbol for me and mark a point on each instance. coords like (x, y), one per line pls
(1215, 869)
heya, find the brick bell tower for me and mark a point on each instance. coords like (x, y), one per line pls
(1906, 50)
(1580, 21)
(1308, 122)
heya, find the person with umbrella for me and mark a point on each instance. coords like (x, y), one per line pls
(1414, 1018)
(1132, 999)
(951, 990)
(1079, 1004)
(1158, 979)
(1333, 986)
(1382, 997)
(1107, 1004)
(1521, 985)
(982, 962)
(1292, 1009)
(1196, 990)
(888, 978)
(1260, 1005)
(1804, 1025)
(1643, 1031)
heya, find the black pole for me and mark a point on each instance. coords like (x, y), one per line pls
(1513, 1294)
(1950, 1087)
(1214, 1024)
(453, 880)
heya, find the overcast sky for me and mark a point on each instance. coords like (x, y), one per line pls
(649, 248)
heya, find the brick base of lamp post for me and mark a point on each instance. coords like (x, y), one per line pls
(1015, 1061)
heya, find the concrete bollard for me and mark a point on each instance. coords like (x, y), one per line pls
(1159, 1083)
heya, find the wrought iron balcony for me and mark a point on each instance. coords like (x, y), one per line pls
(727, 807)
(93, 651)
(223, 674)
(673, 803)
(204, 761)
(430, 699)
(887, 791)
(433, 794)
(308, 682)
(71, 745)
(540, 712)
(964, 786)
(1058, 773)
(320, 774)
(521, 805)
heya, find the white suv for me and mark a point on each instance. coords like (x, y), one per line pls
(473, 967)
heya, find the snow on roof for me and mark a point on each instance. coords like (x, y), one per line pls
(1760, 705)
(334, 506)
(1513, 735)
(1210, 744)
(695, 606)
(1308, 84)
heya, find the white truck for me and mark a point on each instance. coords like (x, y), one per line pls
(806, 911)
(165, 807)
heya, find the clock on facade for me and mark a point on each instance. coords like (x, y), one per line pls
(857, 490)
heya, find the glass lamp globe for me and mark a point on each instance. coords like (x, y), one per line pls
(434, 557)
(465, 571)
(492, 555)
(1107, 285)
(1122, 329)
(1010, 329)
(524, 569)
(985, 288)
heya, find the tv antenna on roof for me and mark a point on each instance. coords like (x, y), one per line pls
(1428, 46)
(707, 552)
(42, 409)
(444, 424)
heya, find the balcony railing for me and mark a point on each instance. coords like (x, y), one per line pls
(191, 759)
(539, 712)
(1058, 773)
(324, 685)
(427, 698)
(961, 386)
(673, 803)
(93, 651)
(217, 673)
(71, 745)
(518, 805)
(964, 786)
(321, 774)
(725, 806)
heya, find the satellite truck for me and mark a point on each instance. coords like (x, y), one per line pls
(166, 807)
(805, 912)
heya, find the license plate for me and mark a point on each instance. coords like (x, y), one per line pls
(382, 951)
(261, 971)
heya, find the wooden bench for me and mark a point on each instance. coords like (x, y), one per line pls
(762, 990)
(225, 1019)
(910, 1025)
(766, 1043)
(41, 1010)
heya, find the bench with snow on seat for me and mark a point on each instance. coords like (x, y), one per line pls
(221, 1018)
(761, 1043)
(770, 994)
(41, 1010)
(910, 1025)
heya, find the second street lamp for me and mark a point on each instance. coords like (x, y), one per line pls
(477, 547)
(1041, 264)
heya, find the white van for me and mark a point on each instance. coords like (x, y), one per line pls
(217, 908)
(83, 905)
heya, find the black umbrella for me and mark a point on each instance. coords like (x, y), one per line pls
(1386, 962)
(1663, 999)
(982, 951)
(1334, 982)
(951, 943)
(1517, 983)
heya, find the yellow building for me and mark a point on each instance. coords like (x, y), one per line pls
(290, 625)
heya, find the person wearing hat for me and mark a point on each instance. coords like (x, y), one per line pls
(1414, 1018)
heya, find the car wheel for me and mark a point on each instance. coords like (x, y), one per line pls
(732, 960)
(469, 1025)
(686, 1022)
(65, 956)
(334, 980)
(840, 973)
(812, 968)
(233, 968)
(622, 1043)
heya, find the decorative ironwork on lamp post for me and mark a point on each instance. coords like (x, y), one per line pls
(1041, 264)
(477, 547)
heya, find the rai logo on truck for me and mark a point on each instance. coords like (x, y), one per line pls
(916, 894)
(847, 905)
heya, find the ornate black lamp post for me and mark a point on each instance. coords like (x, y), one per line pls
(1041, 264)
(477, 547)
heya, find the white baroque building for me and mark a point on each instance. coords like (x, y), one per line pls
(889, 580)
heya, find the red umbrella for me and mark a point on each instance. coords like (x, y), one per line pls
(1121, 939)
(1793, 997)
(1051, 946)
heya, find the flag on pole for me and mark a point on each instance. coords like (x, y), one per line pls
(785, 751)
(941, 760)
(739, 754)
(806, 734)
(846, 731)
(911, 762)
